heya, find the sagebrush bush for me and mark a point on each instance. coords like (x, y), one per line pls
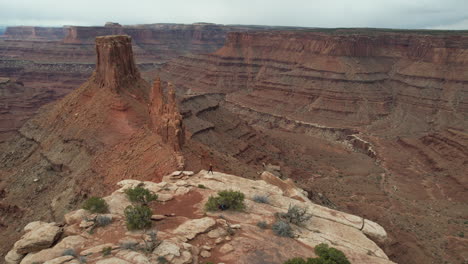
(103, 220)
(262, 224)
(129, 245)
(295, 215)
(139, 194)
(201, 186)
(295, 261)
(226, 200)
(162, 260)
(282, 228)
(138, 217)
(261, 199)
(96, 205)
(69, 252)
(326, 255)
(106, 251)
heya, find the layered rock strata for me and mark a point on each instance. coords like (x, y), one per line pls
(397, 97)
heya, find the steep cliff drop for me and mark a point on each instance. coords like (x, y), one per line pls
(96, 136)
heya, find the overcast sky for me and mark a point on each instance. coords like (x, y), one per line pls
(441, 14)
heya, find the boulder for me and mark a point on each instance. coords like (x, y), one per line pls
(76, 216)
(71, 242)
(12, 257)
(40, 235)
(167, 248)
(192, 228)
(133, 257)
(117, 203)
(226, 248)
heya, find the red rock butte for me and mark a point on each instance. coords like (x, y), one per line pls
(115, 66)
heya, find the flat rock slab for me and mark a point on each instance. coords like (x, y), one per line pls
(192, 228)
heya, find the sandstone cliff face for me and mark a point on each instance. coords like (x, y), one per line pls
(186, 233)
(397, 97)
(115, 66)
(34, 33)
(166, 119)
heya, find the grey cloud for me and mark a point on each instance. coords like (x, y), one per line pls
(308, 13)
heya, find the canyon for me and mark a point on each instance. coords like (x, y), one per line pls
(57, 60)
(375, 121)
(369, 122)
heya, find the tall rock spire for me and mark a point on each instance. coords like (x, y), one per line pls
(166, 119)
(115, 65)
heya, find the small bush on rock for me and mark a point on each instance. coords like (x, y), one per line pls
(138, 217)
(282, 228)
(96, 205)
(226, 200)
(103, 220)
(326, 255)
(129, 245)
(295, 215)
(262, 224)
(82, 259)
(261, 199)
(140, 195)
(162, 260)
(69, 252)
(201, 186)
(296, 261)
(106, 251)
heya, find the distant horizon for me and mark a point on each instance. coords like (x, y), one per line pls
(390, 14)
(261, 25)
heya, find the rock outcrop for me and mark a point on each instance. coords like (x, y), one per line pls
(165, 116)
(189, 234)
(115, 66)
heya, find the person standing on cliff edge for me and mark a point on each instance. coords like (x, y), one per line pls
(210, 169)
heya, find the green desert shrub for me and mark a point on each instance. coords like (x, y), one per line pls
(295, 261)
(282, 228)
(326, 255)
(295, 215)
(226, 200)
(262, 224)
(139, 194)
(96, 205)
(162, 260)
(106, 251)
(138, 217)
(201, 186)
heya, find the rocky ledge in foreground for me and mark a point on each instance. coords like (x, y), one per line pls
(184, 232)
